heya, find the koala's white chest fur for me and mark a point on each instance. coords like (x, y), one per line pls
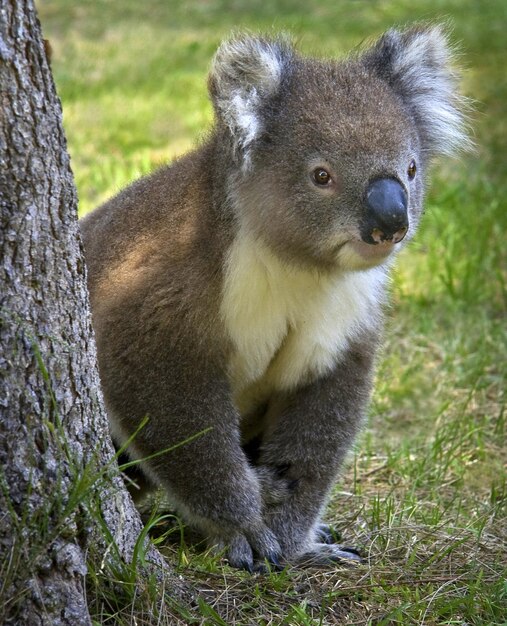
(289, 325)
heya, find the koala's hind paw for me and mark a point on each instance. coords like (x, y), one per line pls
(326, 534)
(324, 554)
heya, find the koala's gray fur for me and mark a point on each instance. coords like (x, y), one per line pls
(241, 287)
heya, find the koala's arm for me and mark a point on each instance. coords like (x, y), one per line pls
(208, 477)
(155, 320)
(310, 432)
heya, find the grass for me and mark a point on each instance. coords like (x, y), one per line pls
(425, 493)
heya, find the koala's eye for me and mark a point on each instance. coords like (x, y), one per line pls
(321, 176)
(412, 169)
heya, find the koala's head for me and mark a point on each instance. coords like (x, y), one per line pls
(327, 159)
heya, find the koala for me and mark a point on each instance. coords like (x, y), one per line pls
(237, 293)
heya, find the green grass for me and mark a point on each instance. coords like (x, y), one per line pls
(425, 494)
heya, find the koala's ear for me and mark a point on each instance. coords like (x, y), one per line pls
(418, 64)
(246, 76)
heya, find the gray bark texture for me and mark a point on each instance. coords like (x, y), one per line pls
(53, 427)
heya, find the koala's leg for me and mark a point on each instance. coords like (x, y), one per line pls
(308, 434)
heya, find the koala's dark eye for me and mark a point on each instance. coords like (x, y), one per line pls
(412, 169)
(321, 176)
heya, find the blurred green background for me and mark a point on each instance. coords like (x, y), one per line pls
(131, 75)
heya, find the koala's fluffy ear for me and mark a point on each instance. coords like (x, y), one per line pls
(246, 76)
(418, 64)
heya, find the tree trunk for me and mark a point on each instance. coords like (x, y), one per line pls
(53, 429)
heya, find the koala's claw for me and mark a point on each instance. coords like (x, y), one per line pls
(245, 565)
(352, 551)
(274, 559)
(271, 562)
(239, 553)
(348, 554)
(243, 550)
(324, 554)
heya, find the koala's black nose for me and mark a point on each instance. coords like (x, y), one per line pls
(386, 217)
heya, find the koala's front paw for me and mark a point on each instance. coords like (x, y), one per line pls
(275, 485)
(243, 550)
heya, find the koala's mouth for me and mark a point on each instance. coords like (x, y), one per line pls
(356, 254)
(372, 251)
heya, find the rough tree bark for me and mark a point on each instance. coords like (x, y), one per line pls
(52, 419)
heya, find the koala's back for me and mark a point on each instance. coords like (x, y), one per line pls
(154, 254)
(161, 219)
